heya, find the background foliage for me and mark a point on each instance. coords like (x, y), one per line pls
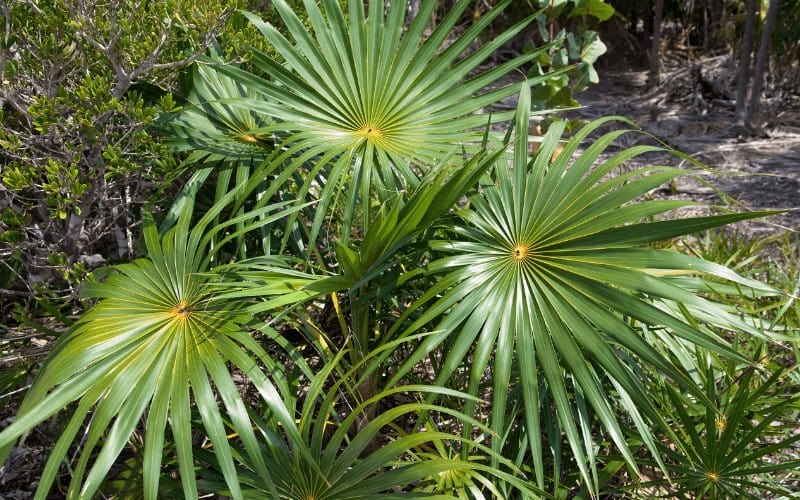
(82, 82)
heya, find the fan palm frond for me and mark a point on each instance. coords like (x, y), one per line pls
(372, 98)
(550, 274)
(155, 344)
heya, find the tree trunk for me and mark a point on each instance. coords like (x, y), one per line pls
(744, 63)
(655, 47)
(761, 64)
(714, 16)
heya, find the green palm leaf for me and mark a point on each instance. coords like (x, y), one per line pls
(373, 86)
(546, 275)
(376, 99)
(213, 129)
(724, 446)
(225, 145)
(156, 343)
(339, 456)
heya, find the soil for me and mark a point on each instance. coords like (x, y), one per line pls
(692, 110)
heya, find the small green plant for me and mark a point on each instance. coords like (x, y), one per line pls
(81, 83)
(741, 445)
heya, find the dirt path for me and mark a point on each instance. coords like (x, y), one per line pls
(756, 172)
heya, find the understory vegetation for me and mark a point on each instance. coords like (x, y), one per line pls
(309, 250)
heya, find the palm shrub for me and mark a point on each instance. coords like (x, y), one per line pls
(362, 109)
(461, 258)
(735, 445)
(370, 101)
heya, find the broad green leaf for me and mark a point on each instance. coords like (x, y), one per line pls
(596, 8)
(152, 346)
(549, 268)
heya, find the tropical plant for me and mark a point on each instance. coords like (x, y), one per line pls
(155, 341)
(481, 315)
(361, 109)
(735, 445)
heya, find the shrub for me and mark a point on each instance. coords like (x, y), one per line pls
(411, 303)
(82, 82)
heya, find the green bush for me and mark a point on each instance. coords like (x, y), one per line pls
(82, 82)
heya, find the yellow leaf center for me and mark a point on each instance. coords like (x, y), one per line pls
(248, 138)
(370, 132)
(713, 476)
(520, 252)
(181, 311)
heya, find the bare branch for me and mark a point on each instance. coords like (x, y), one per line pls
(12, 97)
(150, 65)
(35, 7)
(83, 17)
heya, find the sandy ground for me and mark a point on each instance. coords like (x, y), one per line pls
(751, 171)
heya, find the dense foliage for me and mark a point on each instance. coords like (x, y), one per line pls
(365, 285)
(82, 84)
(77, 159)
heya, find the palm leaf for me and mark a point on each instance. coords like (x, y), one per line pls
(210, 127)
(338, 457)
(725, 443)
(545, 275)
(379, 100)
(155, 342)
